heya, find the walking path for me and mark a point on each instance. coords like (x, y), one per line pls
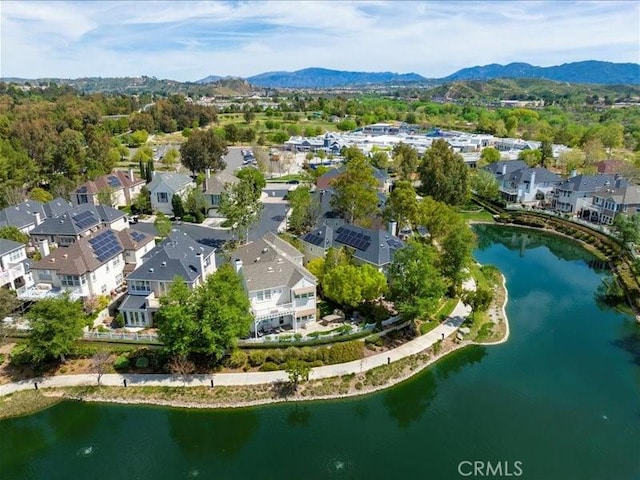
(447, 328)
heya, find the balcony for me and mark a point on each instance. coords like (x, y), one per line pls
(274, 311)
(46, 290)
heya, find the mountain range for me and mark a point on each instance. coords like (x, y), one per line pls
(590, 71)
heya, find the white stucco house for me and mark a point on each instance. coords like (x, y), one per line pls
(164, 186)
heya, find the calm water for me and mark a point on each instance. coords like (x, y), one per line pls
(562, 397)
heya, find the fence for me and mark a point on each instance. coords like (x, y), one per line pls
(121, 337)
(593, 226)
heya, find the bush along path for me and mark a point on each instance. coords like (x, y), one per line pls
(444, 330)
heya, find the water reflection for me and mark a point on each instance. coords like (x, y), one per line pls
(201, 434)
(460, 359)
(299, 416)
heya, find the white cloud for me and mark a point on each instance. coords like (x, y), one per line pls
(189, 40)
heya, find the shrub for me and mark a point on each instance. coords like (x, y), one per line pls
(82, 350)
(346, 352)
(20, 355)
(257, 358)
(121, 363)
(269, 367)
(142, 362)
(237, 359)
(308, 354)
(119, 321)
(316, 363)
(358, 385)
(276, 355)
(1, 358)
(198, 216)
(291, 353)
(188, 218)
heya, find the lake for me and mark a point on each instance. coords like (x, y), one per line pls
(559, 400)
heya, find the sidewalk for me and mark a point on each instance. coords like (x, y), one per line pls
(448, 327)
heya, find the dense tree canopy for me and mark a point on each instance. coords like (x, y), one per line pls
(405, 160)
(204, 149)
(351, 285)
(444, 175)
(240, 204)
(355, 191)
(206, 320)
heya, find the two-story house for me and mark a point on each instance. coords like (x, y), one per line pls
(281, 291)
(573, 194)
(617, 198)
(164, 186)
(14, 266)
(93, 265)
(214, 186)
(375, 247)
(25, 216)
(78, 222)
(519, 183)
(123, 186)
(177, 255)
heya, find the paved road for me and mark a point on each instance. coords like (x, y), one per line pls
(412, 347)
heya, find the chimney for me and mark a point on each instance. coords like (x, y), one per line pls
(201, 260)
(207, 172)
(533, 180)
(38, 218)
(131, 177)
(573, 173)
(393, 228)
(238, 265)
(504, 169)
(43, 247)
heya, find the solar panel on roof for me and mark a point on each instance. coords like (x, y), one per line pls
(84, 219)
(356, 240)
(113, 181)
(138, 236)
(105, 245)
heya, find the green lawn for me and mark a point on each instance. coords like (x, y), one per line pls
(481, 216)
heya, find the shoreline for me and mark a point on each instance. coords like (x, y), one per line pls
(66, 393)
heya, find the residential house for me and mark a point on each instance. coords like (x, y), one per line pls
(214, 186)
(177, 255)
(56, 207)
(14, 266)
(611, 166)
(519, 183)
(281, 291)
(124, 188)
(571, 195)
(93, 265)
(324, 181)
(25, 216)
(375, 247)
(617, 198)
(78, 222)
(164, 186)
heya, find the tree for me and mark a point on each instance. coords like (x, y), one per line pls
(546, 152)
(437, 217)
(402, 204)
(239, 205)
(142, 202)
(484, 184)
(255, 179)
(612, 136)
(628, 228)
(261, 154)
(405, 159)
(139, 137)
(355, 195)
(8, 304)
(105, 197)
(478, 300)
(177, 207)
(143, 154)
(204, 149)
(593, 151)
(40, 195)
(162, 224)
(457, 246)
(380, 160)
(56, 323)
(297, 371)
(350, 285)
(248, 114)
(207, 320)
(170, 158)
(533, 158)
(415, 281)
(181, 365)
(14, 234)
(149, 170)
(301, 216)
(99, 363)
(316, 267)
(196, 203)
(444, 175)
(571, 160)
(490, 155)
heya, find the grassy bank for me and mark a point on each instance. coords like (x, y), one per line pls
(25, 403)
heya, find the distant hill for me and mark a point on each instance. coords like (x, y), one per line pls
(325, 78)
(590, 71)
(209, 79)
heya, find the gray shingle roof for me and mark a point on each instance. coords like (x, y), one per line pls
(215, 185)
(542, 176)
(134, 302)
(265, 265)
(57, 207)
(174, 181)
(21, 215)
(175, 255)
(508, 166)
(587, 183)
(7, 246)
(76, 221)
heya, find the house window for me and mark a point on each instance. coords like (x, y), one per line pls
(45, 275)
(66, 240)
(119, 279)
(103, 289)
(69, 280)
(15, 256)
(163, 197)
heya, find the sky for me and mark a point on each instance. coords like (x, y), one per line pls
(187, 41)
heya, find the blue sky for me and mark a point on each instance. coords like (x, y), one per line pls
(190, 40)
